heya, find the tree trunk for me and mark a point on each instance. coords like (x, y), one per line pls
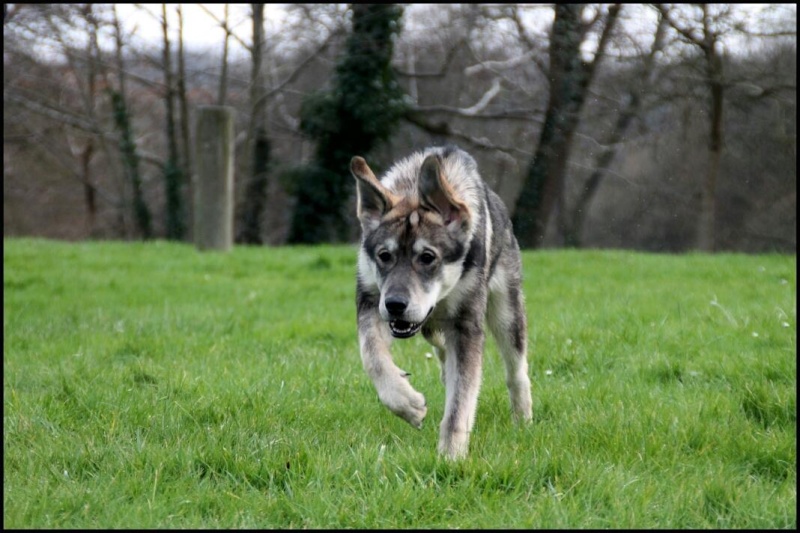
(256, 189)
(568, 82)
(361, 110)
(715, 82)
(572, 225)
(186, 167)
(223, 78)
(88, 151)
(708, 203)
(89, 193)
(127, 145)
(172, 173)
(130, 162)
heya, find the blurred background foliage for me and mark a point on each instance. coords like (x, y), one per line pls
(661, 127)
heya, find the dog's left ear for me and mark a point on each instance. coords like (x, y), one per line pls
(373, 198)
(437, 194)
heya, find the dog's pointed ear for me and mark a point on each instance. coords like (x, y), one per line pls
(437, 194)
(373, 198)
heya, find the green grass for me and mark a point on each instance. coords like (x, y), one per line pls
(153, 386)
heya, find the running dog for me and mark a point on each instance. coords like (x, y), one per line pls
(438, 255)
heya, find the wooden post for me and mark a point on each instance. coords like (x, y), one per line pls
(213, 178)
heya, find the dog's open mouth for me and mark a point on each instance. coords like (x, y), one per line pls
(403, 329)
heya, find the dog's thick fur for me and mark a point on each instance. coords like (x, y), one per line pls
(438, 255)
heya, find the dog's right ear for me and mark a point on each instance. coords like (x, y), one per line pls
(373, 198)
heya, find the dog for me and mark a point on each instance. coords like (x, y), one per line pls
(438, 256)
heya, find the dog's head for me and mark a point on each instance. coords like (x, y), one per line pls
(413, 242)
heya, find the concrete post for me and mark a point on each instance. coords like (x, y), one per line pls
(213, 178)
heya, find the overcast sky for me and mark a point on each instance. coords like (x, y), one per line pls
(202, 31)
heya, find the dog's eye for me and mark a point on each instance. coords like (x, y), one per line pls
(427, 258)
(384, 256)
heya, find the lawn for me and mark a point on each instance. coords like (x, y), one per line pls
(148, 385)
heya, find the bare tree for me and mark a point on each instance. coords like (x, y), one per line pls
(704, 34)
(72, 110)
(173, 177)
(706, 28)
(127, 143)
(223, 78)
(475, 74)
(256, 186)
(186, 146)
(570, 77)
(222, 90)
(571, 223)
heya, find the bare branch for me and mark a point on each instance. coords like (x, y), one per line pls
(613, 13)
(59, 115)
(511, 114)
(72, 120)
(587, 26)
(493, 91)
(152, 15)
(684, 32)
(499, 65)
(44, 145)
(442, 71)
(297, 71)
(224, 25)
(527, 40)
(223, 79)
(443, 129)
(768, 35)
(476, 110)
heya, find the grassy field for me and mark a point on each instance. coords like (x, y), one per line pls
(149, 385)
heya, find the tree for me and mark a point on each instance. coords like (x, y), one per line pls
(571, 221)
(127, 144)
(183, 100)
(71, 129)
(256, 187)
(705, 27)
(361, 110)
(570, 77)
(634, 171)
(223, 77)
(173, 176)
(706, 37)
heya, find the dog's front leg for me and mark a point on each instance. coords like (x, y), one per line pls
(463, 365)
(394, 389)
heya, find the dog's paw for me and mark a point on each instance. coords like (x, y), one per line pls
(401, 399)
(522, 415)
(453, 445)
(521, 405)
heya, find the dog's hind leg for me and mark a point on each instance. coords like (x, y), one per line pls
(507, 322)
(436, 340)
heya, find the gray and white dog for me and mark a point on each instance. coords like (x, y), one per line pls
(438, 255)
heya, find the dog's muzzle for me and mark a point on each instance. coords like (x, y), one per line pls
(402, 329)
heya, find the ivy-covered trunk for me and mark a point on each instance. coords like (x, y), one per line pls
(361, 110)
(173, 174)
(130, 163)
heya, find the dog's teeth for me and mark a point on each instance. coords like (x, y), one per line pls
(402, 328)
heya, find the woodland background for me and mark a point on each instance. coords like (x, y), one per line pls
(660, 127)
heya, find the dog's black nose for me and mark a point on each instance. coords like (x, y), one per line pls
(396, 305)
